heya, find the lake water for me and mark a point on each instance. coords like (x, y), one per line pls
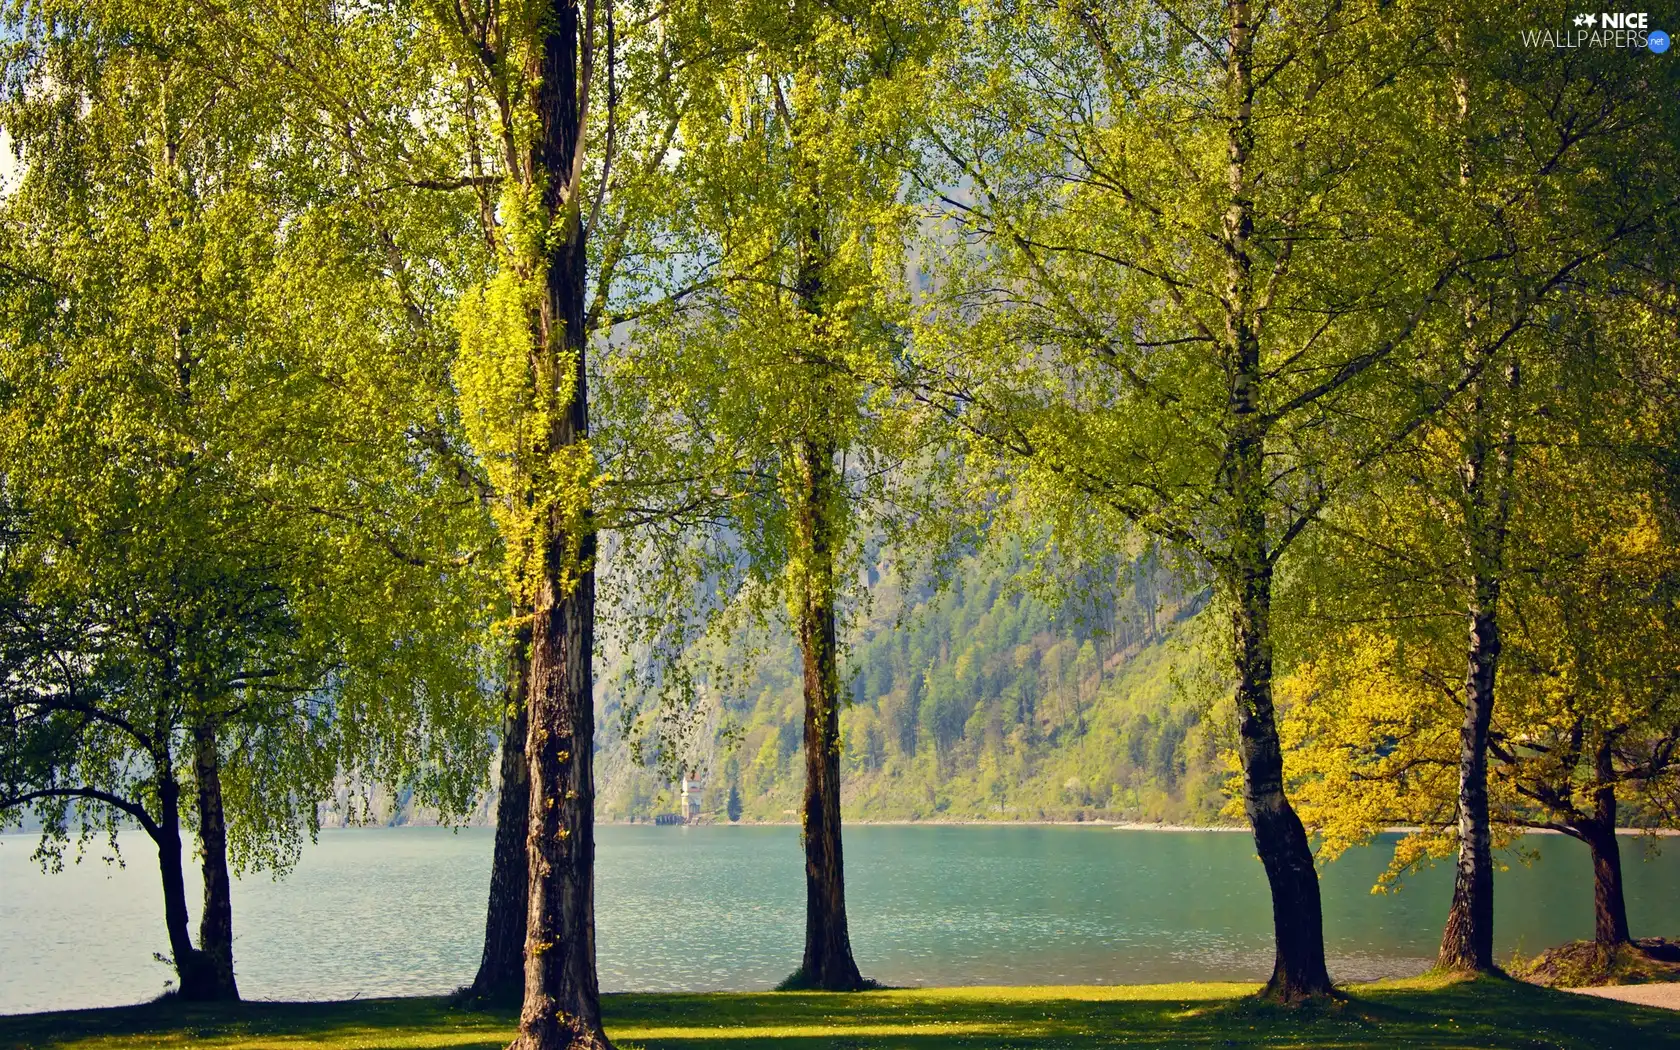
(400, 911)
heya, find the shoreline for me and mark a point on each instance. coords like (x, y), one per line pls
(1107, 825)
(1111, 825)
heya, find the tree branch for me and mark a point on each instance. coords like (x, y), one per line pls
(133, 809)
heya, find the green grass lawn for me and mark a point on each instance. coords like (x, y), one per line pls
(1410, 1014)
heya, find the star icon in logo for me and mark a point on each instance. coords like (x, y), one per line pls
(1586, 20)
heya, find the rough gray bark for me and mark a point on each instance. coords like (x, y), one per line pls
(562, 997)
(562, 1002)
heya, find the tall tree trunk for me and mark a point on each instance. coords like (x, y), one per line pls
(1610, 924)
(562, 996)
(1467, 941)
(562, 999)
(190, 970)
(828, 962)
(501, 971)
(215, 925)
(1298, 970)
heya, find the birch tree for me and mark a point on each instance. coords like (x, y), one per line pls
(212, 478)
(791, 193)
(1219, 259)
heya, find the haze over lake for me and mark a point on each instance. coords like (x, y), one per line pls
(400, 911)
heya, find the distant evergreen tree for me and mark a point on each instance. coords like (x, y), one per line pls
(734, 805)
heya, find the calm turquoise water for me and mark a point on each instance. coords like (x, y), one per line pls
(400, 911)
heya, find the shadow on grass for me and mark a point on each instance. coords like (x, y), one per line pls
(1439, 1014)
(417, 1022)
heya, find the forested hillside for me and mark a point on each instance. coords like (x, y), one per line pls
(980, 700)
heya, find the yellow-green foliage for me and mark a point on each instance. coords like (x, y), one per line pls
(509, 415)
(1373, 703)
(215, 381)
(1367, 743)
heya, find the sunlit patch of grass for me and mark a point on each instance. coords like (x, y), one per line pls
(1432, 981)
(797, 1031)
(1434, 1012)
(1077, 992)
